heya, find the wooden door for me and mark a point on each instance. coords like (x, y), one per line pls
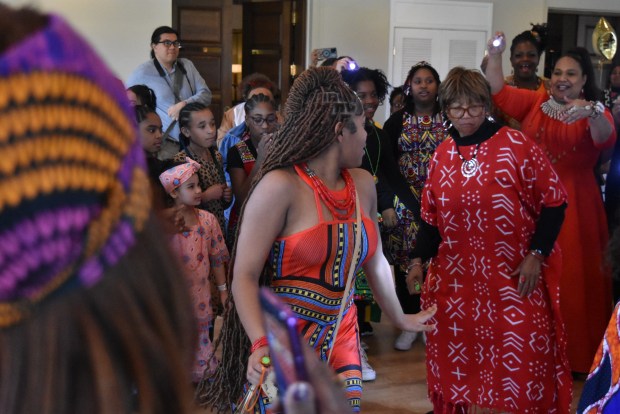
(205, 29)
(274, 40)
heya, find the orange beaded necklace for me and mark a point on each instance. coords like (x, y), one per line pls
(341, 209)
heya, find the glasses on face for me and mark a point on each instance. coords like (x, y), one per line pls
(259, 120)
(169, 43)
(458, 112)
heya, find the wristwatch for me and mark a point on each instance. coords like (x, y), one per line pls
(538, 254)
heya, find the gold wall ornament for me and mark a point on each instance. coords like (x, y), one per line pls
(604, 39)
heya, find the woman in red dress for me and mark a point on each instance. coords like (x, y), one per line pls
(573, 129)
(492, 207)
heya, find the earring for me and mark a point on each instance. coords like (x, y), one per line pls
(490, 118)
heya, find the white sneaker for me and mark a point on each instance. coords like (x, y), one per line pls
(368, 374)
(405, 340)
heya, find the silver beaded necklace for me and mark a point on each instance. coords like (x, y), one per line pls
(553, 109)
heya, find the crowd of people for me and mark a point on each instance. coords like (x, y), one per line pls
(474, 216)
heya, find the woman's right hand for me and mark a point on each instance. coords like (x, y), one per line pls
(415, 277)
(215, 192)
(255, 368)
(497, 44)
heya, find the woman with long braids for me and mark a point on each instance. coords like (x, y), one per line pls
(198, 135)
(573, 128)
(296, 235)
(414, 133)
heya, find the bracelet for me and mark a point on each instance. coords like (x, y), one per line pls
(597, 109)
(412, 265)
(222, 288)
(538, 254)
(259, 343)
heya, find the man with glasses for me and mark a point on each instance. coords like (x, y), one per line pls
(176, 83)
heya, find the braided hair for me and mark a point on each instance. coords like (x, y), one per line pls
(317, 101)
(142, 111)
(253, 102)
(185, 118)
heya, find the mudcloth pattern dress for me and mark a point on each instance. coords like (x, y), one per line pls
(492, 348)
(309, 273)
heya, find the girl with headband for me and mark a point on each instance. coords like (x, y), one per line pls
(203, 254)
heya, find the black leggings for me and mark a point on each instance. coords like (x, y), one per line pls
(409, 303)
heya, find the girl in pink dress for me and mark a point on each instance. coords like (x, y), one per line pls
(202, 250)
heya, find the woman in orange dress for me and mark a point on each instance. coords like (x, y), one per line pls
(572, 128)
(296, 235)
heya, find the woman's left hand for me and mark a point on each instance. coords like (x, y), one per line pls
(576, 109)
(528, 273)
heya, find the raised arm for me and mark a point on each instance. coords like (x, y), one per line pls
(494, 71)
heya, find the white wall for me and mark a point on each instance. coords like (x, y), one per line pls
(120, 30)
(360, 28)
(357, 28)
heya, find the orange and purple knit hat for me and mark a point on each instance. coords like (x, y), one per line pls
(73, 185)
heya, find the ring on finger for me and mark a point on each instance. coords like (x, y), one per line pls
(522, 279)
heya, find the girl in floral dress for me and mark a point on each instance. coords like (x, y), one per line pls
(203, 254)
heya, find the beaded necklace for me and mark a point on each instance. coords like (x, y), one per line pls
(512, 82)
(334, 205)
(553, 109)
(376, 167)
(469, 168)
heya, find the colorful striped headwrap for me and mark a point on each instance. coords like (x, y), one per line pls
(73, 185)
(173, 177)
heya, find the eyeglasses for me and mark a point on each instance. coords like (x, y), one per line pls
(259, 120)
(169, 43)
(459, 111)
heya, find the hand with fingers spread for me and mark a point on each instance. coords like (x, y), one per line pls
(417, 322)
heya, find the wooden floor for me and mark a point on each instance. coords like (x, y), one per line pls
(400, 386)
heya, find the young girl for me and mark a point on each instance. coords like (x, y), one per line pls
(202, 251)
(198, 136)
(149, 124)
(247, 155)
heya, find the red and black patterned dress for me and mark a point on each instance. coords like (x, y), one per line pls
(493, 348)
(419, 138)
